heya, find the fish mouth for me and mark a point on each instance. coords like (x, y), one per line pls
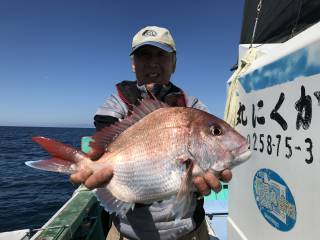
(242, 153)
(243, 156)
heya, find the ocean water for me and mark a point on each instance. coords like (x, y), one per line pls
(29, 197)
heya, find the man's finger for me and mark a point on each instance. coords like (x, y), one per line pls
(80, 176)
(201, 185)
(212, 181)
(226, 175)
(99, 178)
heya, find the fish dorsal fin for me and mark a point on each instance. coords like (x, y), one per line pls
(106, 135)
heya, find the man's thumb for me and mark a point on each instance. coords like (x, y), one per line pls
(94, 154)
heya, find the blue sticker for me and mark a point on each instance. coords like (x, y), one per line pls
(274, 199)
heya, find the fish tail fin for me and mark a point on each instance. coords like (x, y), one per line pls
(64, 157)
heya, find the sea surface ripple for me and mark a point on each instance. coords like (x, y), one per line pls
(29, 197)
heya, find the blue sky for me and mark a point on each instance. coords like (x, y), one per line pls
(59, 60)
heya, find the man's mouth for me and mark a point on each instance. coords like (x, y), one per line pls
(153, 74)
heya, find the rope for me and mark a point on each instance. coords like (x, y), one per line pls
(230, 113)
(256, 22)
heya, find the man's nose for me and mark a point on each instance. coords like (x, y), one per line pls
(153, 64)
(153, 61)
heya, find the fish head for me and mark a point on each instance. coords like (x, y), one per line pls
(216, 145)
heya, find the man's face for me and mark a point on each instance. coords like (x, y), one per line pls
(153, 65)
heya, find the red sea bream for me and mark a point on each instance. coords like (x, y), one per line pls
(154, 153)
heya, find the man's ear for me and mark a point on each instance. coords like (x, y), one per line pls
(133, 66)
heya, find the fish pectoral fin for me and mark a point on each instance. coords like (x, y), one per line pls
(183, 199)
(180, 206)
(112, 204)
(53, 165)
(186, 180)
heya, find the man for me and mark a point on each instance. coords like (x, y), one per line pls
(153, 62)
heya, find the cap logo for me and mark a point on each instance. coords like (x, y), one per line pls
(149, 33)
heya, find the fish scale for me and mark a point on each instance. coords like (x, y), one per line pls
(154, 185)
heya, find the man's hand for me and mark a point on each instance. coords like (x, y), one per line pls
(92, 180)
(209, 181)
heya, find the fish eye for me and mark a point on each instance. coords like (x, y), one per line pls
(216, 131)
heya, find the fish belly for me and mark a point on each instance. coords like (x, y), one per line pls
(148, 172)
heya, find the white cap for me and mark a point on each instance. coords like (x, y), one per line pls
(154, 36)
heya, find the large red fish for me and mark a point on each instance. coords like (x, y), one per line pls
(153, 153)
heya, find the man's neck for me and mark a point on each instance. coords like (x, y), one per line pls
(153, 86)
